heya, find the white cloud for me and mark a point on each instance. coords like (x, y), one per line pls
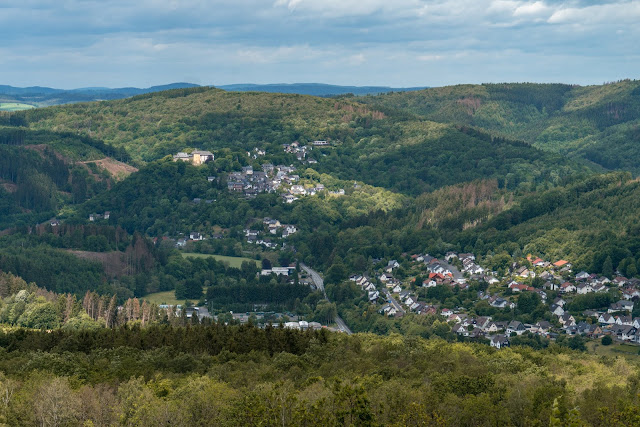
(270, 55)
(613, 13)
(357, 59)
(343, 8)
(83, 42)
(532, 9)
(430, 57)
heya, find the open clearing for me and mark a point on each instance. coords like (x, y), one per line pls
(231, 260)
(117, 169)
(168, 297)
(615, 349)
(14, 106)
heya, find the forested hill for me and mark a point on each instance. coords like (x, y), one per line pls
(42, 171)
(153, 125)
(599, 123)
(393, 150)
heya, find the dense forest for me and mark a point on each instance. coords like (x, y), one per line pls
(241, 375)
(598, 123)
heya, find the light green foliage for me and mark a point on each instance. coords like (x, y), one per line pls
(235, 262)
(14, 106)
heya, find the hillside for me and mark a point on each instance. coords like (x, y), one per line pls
(154, 125)
(587, 223)
(599, 123)
(42, 171)
(395, 151)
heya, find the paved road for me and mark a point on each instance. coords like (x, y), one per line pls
(317, 280)
(395, 303)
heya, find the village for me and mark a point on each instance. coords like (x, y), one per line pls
(553, 301)
(532, 298)
(281, 178)
(271, 179)
(272, 228)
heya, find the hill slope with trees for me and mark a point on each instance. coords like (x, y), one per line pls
(599, 123)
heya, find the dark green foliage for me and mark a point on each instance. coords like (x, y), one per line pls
(193, 289)
(528, 302)
(606, 340)
(38, 177)
(212, 340)
(607, 267)
(591, 301)
(55, 270)
(278, 294)
(457, 155)
(599, 123)
(72, 144)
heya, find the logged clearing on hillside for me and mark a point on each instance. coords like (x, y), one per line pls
(9, 186)
(116, 169)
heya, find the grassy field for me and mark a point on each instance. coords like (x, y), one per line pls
(168, 297)
(14, 106)
(233, 261)
(615, 349)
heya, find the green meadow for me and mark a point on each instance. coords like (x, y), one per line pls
(235, 262)
(14, 106)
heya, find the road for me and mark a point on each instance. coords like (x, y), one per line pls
(317, 280)
(393, 302)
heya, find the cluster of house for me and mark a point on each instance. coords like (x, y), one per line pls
(303, 325)
(275, 228)
(278, 271)
(201, 312)
(623, 327)
(301, 151)
(614, 321)
(288, 320)
(295, 191)
(196, 157)
(468, 260)
(194, 236)
(367, 286)
(497, 333)
(271, 179)
(257, 152)
(251, 182)
(96, 216)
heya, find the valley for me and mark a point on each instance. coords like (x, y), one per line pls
(470, 243)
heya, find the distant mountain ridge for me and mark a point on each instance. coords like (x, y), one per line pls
(40, 96)
(45, 96)
(316, 89)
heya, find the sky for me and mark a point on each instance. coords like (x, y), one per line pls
(399, 43)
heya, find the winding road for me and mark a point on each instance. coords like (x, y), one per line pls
(317, 280)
